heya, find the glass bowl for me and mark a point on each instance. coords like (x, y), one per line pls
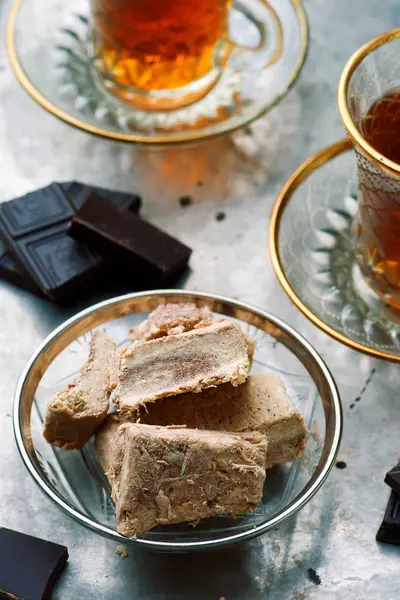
(74, 480)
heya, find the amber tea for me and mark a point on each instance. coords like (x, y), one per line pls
(157, 44)
(381, 125)
(378, 222)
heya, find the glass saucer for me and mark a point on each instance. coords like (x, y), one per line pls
(312, 251)
(74, 480)
(49, 55)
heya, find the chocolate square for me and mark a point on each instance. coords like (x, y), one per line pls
(40, 255)
(145, 251)
(36, 210)
(393, 478)
(29, 566)
(389, 531)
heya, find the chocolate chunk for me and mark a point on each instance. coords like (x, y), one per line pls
(11, 271)
(34, 228)
(35, 211)
(393, 478)
(389, 531)
(153, 255)
(40, 255)
(79, 193)
(29, 566)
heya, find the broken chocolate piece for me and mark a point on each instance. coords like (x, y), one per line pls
(11, 271)
(185, 362)
(78, 193)
(162, 475)
(393, 478)
(153, 255)
(29, 566)
(40, 255)
(74, 414)
(389, 531)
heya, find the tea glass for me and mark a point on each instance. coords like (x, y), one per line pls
(371, 72)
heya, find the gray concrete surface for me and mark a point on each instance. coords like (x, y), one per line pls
(329, 550)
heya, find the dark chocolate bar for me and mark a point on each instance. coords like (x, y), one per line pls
(393, 478)
(153, 255)
(40, 255)
(12, 272)
(29, 566)
(78, 193)
(389, 531)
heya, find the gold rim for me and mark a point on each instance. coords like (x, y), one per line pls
(304, 170)
(45, 103)
(352, 64)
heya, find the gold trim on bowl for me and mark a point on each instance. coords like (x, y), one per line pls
(115, 308)
(379, 159)
(295, 180)
(45, 103)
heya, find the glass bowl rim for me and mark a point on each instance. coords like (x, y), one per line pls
(121, 306)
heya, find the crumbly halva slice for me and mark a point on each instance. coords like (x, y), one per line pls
(74, 414)
(185, 362)
(162, 475)
(170, 319)
(106, 439)
(251, 347)
(261, 404)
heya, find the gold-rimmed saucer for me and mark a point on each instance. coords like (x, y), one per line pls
(311, 246)
(49, 55)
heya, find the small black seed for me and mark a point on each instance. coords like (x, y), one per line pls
(341, 464)
(357, 399)
(247, 130)
(220, 216)
(313, 576)
(185, 201)
(352, 406)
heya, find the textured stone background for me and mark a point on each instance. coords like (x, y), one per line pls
(329, 550)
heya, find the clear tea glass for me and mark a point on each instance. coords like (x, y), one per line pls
(369, 98)
(165, 54)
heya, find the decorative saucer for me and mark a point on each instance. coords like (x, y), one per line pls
(49, 54)
(312, 251)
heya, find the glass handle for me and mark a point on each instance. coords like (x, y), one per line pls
(269, 48)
